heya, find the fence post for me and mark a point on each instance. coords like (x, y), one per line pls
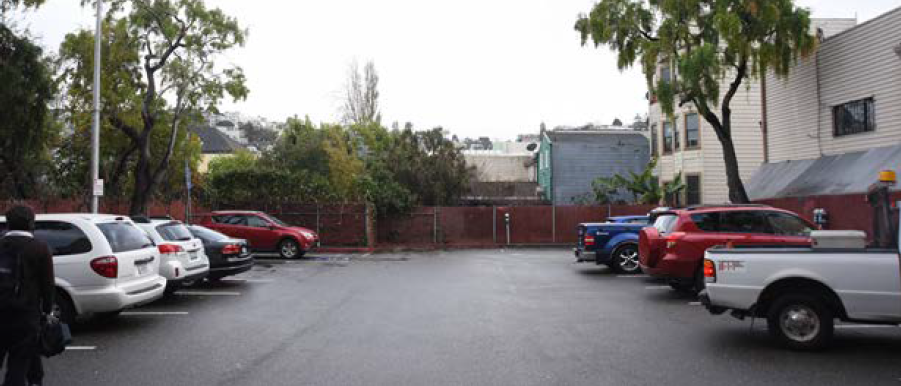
(494, 224)
(553, 223)
(318, 232)
(434, 225)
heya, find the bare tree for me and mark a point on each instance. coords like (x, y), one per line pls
(361, 97)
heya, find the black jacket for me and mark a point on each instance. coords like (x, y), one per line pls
(38, 278)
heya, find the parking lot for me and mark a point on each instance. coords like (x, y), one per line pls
(480, 317)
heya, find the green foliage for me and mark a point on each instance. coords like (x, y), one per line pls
(394, 170)
(707, 43)
(159, 75)
(6, 5)
(644, 187)
(26, 129)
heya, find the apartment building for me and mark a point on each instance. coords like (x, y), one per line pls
(836, 120)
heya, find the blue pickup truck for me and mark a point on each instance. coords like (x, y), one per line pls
(614, 243)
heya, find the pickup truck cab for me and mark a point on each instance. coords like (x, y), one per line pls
(614, 243)
(802, 290)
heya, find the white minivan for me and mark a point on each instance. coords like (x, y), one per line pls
(103, 263)
(183, 261)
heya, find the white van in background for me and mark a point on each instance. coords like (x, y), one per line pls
(103, 263)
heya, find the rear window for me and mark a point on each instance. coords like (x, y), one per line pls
(207, 234)
(665, 223)
(62, 237)
(707, 222)
(124, 237)
(174, 231)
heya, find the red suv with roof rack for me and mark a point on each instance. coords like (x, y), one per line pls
(263, 232)
(673, 248)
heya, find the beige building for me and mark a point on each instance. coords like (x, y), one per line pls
(688, 144)
(836, 120)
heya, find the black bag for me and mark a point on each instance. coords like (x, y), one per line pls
(11, 279)
(55, 336)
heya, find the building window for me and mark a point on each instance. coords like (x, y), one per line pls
(667, 137)
(692, 190)
(676, 137)
(692, 131)
(854, 117)
(654, 140)
(665, 74)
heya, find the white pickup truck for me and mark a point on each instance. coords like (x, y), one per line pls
(801, 291)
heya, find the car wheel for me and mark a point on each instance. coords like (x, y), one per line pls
(625, 259)
(64, 307)
(801, 322)
(289, 249)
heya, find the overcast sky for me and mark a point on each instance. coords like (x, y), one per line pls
(476, 67)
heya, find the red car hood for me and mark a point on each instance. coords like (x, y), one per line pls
(301, 229)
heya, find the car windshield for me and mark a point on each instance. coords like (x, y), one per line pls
(124, 237)
(207, 234)
(174, 231)
(665, 223)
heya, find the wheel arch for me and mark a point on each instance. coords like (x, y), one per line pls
(798, 285)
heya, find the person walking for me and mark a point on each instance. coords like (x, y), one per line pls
(26, 294)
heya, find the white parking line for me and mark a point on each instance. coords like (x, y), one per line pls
(634, 276)
(239, 280)
(657, 287)
(153, 313)
(207, 293)
(694, 303)
(866, 326)
(80, 348)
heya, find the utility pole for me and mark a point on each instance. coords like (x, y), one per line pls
(96, 182)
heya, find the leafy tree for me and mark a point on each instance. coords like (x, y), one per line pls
(6, 5)
(617, 122)
(159, 75)
(709, 43)
(643, 187)
(26, 132)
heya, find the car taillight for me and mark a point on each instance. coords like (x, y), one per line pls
(589, 240)
(672, 238)
(107, 266)
(231, 249)
(709, 271)
(170, 248)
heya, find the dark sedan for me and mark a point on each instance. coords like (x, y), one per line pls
(227, 256)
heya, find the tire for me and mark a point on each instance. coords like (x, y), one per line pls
(289, 249)
(65, 308)
(801, 322)
(625, 259)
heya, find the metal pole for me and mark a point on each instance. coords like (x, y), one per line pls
(554, 223)
(494, 223)
(95, 129)
(435, 225)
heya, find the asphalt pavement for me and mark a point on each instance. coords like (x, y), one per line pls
(482, 317)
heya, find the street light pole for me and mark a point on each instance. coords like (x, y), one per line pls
(96, 191)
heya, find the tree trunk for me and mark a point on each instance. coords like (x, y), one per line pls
(737, 193)
(143, 181)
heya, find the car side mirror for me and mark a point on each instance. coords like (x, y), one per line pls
(271, 227)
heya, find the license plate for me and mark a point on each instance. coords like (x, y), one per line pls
(244, 250)
(194, 255)
(143, 269)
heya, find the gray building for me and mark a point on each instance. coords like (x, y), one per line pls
(568, 161)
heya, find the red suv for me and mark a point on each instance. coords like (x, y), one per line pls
(263, 232)
(673, 248)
